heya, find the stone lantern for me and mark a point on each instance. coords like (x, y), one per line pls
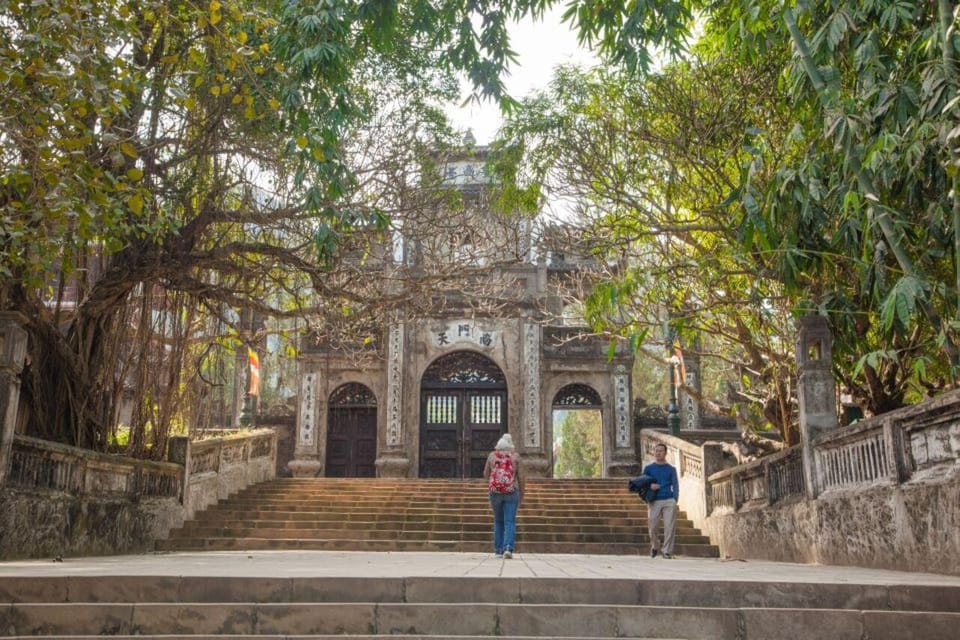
(13, 349)
(816, 388)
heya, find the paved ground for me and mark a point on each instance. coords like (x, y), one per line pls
(292, 564)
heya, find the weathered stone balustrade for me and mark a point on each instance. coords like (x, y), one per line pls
(39, 464)
(884, 451)
(58, 500)
(219, 467)
(62, 500)
(774, 478)
(860, 454)
(886, 493)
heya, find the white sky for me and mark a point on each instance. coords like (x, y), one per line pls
(540, 46)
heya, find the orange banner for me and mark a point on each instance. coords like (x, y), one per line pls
(254, 389)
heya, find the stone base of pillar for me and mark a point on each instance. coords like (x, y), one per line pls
(537, 465)
(623, 469)
(304, 468)
(394, 465)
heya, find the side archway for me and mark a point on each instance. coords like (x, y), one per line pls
(577, 432)
(577, 396)
(351, 432)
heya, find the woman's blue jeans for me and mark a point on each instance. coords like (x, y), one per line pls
(504, 507)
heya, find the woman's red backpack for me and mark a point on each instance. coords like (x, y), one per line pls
(501, 477)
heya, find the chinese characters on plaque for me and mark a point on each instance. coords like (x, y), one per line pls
(460, 173)
(463, 331)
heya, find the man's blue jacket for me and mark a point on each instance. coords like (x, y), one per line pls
(641, 485)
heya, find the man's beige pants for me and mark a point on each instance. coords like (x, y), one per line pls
(667, 511)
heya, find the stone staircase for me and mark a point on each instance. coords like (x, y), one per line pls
(321, 606)
(556, 516)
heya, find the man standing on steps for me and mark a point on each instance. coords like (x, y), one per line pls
(664, 504)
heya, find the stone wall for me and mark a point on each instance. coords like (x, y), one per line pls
(881, 493)
(59, 500)
(55, 523)
(911, 527)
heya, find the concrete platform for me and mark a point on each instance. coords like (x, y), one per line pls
(364, 564)
(320, 594)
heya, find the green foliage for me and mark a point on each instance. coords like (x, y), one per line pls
(164, 157)
(830, 187)
(629, 32)
(652, 163)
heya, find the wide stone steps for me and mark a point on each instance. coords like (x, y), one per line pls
(285, 529)
(146, 606)
(556, 516)
(424, 534)
(453, 545)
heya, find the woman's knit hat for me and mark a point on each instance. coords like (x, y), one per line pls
(505, 442)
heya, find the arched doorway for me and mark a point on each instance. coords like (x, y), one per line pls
(351, 432)
(577, 432)
(463, 412)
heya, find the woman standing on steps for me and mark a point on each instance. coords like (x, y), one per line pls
(505, 486)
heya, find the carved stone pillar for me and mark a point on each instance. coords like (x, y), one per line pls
(623, 461)
(393, 462)
(532, 423)
(306, 459)
(535, 459)
(816, 390)
(13, 350)
(689, 406)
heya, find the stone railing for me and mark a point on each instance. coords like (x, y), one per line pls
(51, 492)
(219, 467)
(774, 478)
(853, 497)
(46, 485)
(863, 453)
(40, 464)
(785, 475)
(886, 450)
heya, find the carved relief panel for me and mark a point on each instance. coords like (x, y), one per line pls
(531, 390)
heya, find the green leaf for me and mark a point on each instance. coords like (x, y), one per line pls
(135, 202)
(901, 303)
(128, 150)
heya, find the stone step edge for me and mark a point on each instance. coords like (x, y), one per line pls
(285, 620)
(210, 543)
(388, 636)
(422, 590)
(409, 535)
(308, 533)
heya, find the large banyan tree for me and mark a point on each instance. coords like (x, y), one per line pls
(171, 172)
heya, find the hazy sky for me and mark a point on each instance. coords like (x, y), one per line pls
(540, 45)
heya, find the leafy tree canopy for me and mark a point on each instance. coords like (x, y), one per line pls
(801, 157)
(197, 156)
